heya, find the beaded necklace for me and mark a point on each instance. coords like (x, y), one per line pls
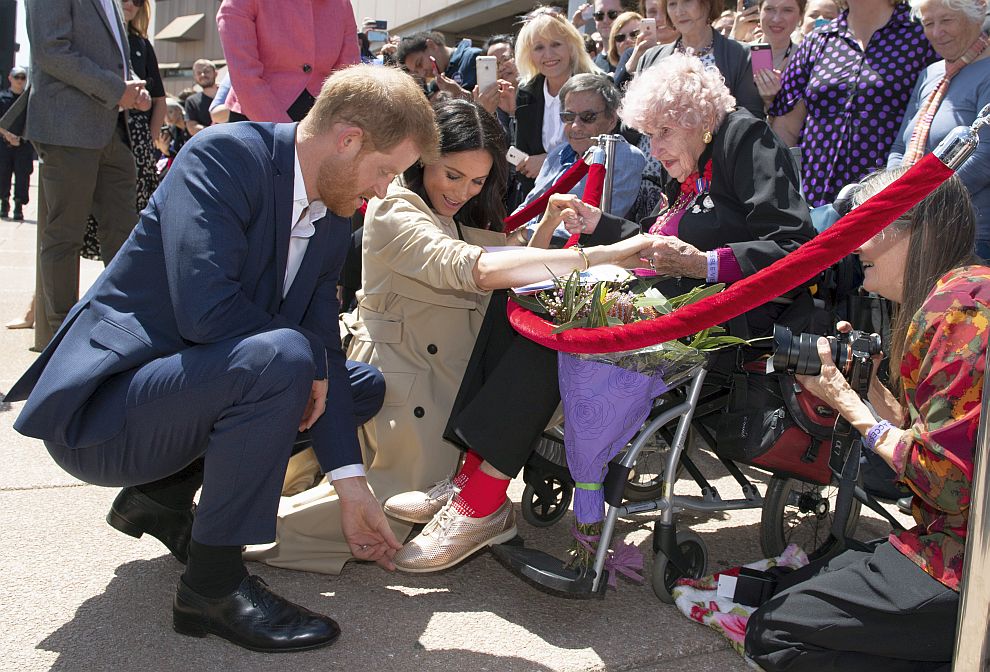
(691, 51)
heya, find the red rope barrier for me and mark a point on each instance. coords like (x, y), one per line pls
(594, 188)
(780, 277)
(538, 205)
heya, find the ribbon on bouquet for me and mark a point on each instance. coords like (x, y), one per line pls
(624, 559)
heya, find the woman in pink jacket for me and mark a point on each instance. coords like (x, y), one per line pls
(279, 53)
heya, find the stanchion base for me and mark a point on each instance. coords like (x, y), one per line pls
(547, 573)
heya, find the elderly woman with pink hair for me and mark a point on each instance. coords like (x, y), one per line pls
(731, 200)
(732, 206)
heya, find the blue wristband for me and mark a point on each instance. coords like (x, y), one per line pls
(874, 434)
(712, 275)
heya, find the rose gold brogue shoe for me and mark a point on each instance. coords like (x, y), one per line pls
(419, 507)
(451, 538)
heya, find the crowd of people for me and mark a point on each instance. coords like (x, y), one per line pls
(214, 342)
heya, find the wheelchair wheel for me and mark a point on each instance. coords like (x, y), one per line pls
(796, 512)
(545, 507)
(646, 478)
(665, 574)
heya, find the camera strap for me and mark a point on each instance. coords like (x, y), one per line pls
(848, 481)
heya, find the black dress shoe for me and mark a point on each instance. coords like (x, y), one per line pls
(134, 513)
(253, 617)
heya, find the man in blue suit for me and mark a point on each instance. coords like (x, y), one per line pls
(212, 338)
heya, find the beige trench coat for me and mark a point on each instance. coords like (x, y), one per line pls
(419, 313)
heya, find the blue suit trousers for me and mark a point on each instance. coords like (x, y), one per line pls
(237, 404)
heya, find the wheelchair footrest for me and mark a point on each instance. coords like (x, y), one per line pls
(547, 573)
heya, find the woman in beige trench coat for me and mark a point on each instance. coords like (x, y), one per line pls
(426, 280)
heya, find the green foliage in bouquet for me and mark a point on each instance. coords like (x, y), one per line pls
(571, 305)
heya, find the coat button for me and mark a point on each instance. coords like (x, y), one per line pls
(419, 412)
(432, 349)
(307, 67)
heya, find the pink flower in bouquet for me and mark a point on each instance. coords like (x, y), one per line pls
(733, 625)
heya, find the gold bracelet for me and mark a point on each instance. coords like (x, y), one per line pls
(584, 255)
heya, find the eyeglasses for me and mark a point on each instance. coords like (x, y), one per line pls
(19, 77)
(136, 3)
(612, 13)
(586, 117)
(621, 37)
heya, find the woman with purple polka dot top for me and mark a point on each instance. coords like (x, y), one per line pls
(843, 95)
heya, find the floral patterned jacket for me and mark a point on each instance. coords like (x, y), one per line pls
(942, 372)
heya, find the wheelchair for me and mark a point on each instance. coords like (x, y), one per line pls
(797, 449)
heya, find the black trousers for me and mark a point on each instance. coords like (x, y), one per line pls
(16, 165)
(857, 611)
(508, 394)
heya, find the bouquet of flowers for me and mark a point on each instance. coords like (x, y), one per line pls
(608, 397)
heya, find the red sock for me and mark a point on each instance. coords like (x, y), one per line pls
(471, 463)
(481, 495)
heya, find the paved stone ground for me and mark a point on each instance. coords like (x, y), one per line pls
(80, 596)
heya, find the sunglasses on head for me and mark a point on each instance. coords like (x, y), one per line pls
(612, 13)
(587, 117)
(621, 37)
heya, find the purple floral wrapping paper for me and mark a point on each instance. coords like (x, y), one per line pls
(604, 406)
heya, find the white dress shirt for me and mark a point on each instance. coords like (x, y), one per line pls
(111, 11)
(553, 127)
(304, 214)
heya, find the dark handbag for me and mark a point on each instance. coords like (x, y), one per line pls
(301, 106)
(759, 428)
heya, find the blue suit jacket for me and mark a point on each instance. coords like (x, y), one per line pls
(205, 263)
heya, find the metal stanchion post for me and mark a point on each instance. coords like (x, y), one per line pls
(972, 651)
(607, 144)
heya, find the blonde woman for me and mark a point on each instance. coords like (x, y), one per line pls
(549, 51)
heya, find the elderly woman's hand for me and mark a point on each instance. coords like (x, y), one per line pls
(576, 215)
(830, 386)
(673, 257)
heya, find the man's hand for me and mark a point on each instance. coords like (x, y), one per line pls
(451, 88)
(132, 92)
(315, 406)
(363, 523)
(10, 138)
(143, 101)
(530, 167)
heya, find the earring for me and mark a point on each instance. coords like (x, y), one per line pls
(707, 137)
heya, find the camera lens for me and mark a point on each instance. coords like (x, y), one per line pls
(800, 355)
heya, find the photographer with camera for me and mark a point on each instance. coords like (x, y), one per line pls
(894, 608)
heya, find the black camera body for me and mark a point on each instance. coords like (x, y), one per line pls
(852, 353)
